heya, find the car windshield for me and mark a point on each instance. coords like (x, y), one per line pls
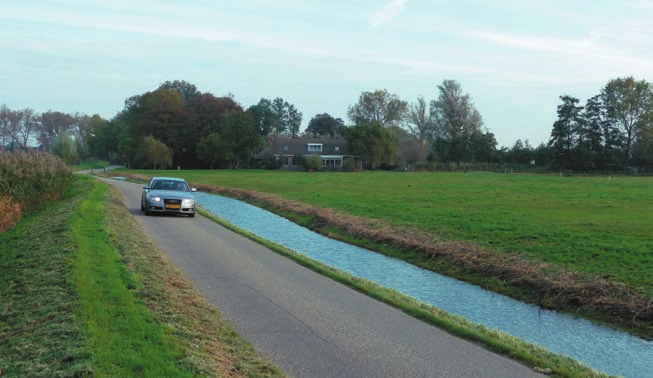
(170, 185)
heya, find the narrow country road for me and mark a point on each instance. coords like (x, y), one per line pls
(305, 323)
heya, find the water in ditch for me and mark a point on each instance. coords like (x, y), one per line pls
(601, 348)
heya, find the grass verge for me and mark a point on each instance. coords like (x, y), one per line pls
(89, 295)
(39, 333)
(124, 338)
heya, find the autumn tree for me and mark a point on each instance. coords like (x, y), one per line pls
(378, 107)
(629, 104)
(161, 114)
(205, 116)
(456, 124)
(372, 142)
(155, 153)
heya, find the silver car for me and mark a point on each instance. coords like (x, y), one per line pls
(168, 195)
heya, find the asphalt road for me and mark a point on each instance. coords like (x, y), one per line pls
(305, 323)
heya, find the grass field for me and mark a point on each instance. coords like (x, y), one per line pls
(595, 225)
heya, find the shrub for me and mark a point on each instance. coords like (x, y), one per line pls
(349, 165)
(33, 179)
(314, 163)
(9, 213)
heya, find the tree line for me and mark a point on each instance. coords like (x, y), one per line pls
(177, 125)
(614, 130)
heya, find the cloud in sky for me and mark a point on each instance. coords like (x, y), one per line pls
(320, 56)
(387, 13)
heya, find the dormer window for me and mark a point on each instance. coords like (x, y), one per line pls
(315, 147)
(337, 148)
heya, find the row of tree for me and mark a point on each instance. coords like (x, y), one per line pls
(614, 130)
(177, 125)
(54, 131)
(445, 129)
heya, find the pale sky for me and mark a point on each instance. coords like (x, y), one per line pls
(514, 58)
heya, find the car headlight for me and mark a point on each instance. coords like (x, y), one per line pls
(188, 202)
(156, 199)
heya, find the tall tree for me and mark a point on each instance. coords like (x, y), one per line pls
(211, 149)
(161, 114)
(455, 121)
(5, 123)
(325, 124)
(262, 115)
(419, 121)
(155, 153)
(378, 107)
(64, 146)
(29, 124)
(53, 123)
(565, 132)
(629, 103)
(100, 139)
(205, 115)
(643, 148)
(276, 117)
(184, 88)
(603, 137)
(374, 143)
(241, 137)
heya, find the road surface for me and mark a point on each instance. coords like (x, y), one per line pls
(309, 325)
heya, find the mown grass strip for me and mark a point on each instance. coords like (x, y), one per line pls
(529, 354)
(39, 335)
(124, 338)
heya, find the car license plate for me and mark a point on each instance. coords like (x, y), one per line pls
(173, 206)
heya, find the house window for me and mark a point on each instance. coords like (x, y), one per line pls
(337, 148)
(285, 148)
(315, 147)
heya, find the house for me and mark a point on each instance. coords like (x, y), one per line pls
(333, 151)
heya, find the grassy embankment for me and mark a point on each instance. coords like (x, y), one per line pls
(576, 244)
(87, 294)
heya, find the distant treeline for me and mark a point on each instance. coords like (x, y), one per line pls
(176, 125)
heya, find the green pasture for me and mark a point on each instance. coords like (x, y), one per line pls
(599, 225)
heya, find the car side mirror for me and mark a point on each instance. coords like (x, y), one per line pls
(146, 187)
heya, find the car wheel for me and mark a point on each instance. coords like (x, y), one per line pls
(142, 207)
